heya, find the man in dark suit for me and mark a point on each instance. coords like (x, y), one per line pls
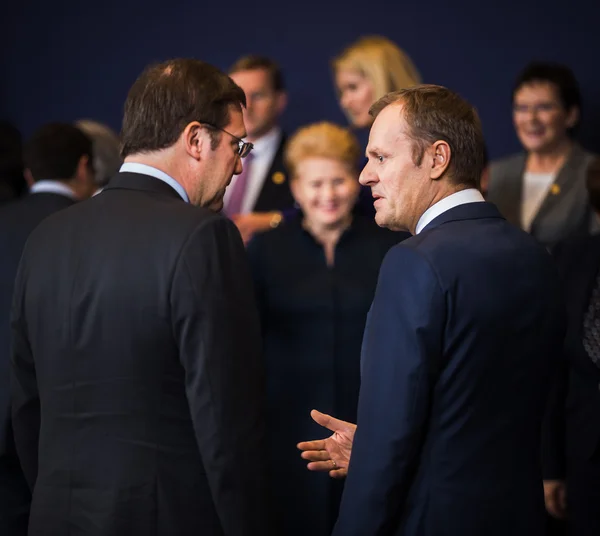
(459, 345)
(258, 195)
(58, 159)
(571, 446)
(137, 385)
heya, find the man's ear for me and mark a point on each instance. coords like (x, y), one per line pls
(572, 117)
(282, 100)
(83, 168)
(440, 159)
(195, 139)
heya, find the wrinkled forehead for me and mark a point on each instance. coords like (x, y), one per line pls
(389, 125)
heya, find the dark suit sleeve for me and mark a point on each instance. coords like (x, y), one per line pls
(400, 363)
(554, 423)
(553, 426)
(215, 323)
(25, 398)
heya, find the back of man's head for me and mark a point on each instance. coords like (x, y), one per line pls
(435, 113)
(55, 150)
(170, 95)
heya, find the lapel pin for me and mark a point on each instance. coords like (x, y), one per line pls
(278, 177)
(555, 189)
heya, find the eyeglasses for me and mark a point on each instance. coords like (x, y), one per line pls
(536, 108)
(244, 147)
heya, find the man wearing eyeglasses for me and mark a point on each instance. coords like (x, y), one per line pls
(258, 196)
(136, 371)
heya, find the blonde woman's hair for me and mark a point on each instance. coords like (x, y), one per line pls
(322, 140)
(378, 59)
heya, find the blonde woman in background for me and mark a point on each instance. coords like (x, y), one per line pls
(366, 71)
(315, 278)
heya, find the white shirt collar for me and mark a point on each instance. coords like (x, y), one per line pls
(267, 143)
(52, 187)
(144, 169)
(470, 195)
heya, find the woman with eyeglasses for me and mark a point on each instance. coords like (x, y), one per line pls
(315, 278)
(542, 189)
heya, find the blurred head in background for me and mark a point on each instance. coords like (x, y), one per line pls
(61, 152)
(106, 147)
(322, 159)
(546, 107)
(367, 70)
(266, 99)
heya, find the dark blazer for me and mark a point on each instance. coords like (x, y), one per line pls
(137, 381)
(275, 193)
(17, 220)
(313, 317)
(565, 210)
(572, 432)
(456, 360)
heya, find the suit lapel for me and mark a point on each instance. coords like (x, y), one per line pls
(467, 211)
(275, 187)
(561, 184)
(512, 194)
(138, 181)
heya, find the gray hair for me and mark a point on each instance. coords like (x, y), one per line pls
(106, 148)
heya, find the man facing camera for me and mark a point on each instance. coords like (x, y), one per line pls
(137, 382)
(463, 333)
(259, 194)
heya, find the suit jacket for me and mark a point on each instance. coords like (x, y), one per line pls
(17, 220)
(136, 376)
(574, 430)
(275, 193)
(565, 210)
(458, 348)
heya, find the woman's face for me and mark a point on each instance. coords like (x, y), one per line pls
(540, 118)
(326, 191)
(356, 95)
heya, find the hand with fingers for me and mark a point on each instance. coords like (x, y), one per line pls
(333, 453)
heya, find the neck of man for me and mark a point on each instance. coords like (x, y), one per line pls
(163, 161)
(445, 189)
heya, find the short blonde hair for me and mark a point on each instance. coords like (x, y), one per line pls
(322, 140)
(378, 59)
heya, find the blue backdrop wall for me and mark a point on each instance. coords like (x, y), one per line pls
(72, 59)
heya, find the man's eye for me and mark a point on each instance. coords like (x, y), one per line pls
(380, 158)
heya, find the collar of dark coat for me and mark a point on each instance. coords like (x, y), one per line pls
(467, 211)
(139, 181)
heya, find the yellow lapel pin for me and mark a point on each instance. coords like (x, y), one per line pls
(278, 177)
(555, 189)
